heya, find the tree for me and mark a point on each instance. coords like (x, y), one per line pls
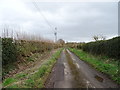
(102, 37)
(61, 41)
(95, 37)
(99, 37)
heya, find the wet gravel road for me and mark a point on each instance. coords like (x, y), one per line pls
(71, 72)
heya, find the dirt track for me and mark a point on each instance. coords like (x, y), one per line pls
(71, 72)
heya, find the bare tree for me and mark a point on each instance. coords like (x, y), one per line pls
(102, 37)
(99, 37)
(96, 37)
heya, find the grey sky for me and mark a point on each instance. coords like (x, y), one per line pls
(76, 21)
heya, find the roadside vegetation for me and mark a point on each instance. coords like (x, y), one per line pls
(101, 63)
(102, 55)
(33, 80)
(23, 65)
(15, 52)
(108, 48)
(21, 51)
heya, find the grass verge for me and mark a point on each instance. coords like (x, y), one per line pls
(35, 80)
(101, 63)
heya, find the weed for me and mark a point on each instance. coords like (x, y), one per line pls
(9, 81)
(30, 59)
(20, 76)
(13, 86)
(29, 82)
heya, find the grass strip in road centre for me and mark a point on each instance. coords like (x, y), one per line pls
(35, 80)
(101, 63)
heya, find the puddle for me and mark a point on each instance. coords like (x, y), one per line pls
(100, 79)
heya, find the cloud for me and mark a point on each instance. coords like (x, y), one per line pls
(74, 21)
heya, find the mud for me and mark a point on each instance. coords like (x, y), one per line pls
(71, 72)
(100, 79)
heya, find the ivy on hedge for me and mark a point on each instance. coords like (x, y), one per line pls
(9, 51)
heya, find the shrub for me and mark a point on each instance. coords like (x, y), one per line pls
(108, 48)
(21, 51)
(9, 51)
(13, 50)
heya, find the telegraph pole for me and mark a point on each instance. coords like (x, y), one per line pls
(55, 33)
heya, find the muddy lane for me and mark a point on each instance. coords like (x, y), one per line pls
(65, 74)
(71, 72)
(60, 76)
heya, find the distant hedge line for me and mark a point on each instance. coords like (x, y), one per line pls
(110, 48)
(13, 50)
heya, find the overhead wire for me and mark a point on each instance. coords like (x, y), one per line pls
(36, 6)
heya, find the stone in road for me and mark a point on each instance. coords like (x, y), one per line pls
(71, 72)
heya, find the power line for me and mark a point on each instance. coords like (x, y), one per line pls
(55, 32)
(35, 4)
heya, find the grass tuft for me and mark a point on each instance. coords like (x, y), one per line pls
(9, 81)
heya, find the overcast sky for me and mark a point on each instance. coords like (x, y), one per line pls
(75, 21)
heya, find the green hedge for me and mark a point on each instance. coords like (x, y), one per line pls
(9, 51)
(110, 48)
(14, 50)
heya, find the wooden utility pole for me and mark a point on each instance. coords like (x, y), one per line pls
(55, 33)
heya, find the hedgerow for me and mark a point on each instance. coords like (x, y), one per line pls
(16, 51)
(9, 51)
(108, 48)
(12, 50)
